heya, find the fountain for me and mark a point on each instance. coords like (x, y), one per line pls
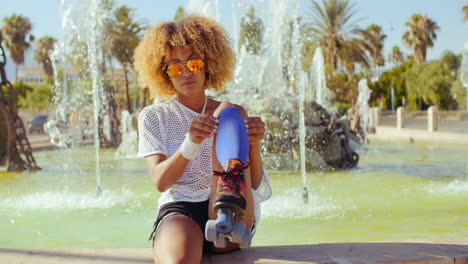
(322, 94)
(464, 80)
(128, 148)
(79, 43)
(273, 91)
(464, 71)
(303, 84)
(364, 94)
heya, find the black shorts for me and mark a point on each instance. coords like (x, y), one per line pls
(198, 211)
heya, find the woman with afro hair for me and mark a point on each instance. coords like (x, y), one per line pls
(178, 61)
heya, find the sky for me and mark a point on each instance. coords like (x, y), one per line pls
(391, 15)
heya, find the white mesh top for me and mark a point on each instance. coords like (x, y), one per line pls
(162, 128)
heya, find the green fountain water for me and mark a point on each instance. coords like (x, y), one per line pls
(399, 191)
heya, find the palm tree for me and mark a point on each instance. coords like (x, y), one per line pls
(44, 47)
(353, 52)
(180, 13)
(420, 35)
(465, 12)
(16, 33)
(373, 40)
(251, 32)
(333, 28)
(125, 34)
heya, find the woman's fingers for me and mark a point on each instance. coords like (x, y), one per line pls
(203, 126)
(255, 124)
(206, 120)
(255, 129)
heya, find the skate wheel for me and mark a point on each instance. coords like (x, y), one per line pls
(220, 241)
(237, 232)
(210, 230)
(246, 239)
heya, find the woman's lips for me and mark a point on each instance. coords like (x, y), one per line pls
(188, 82)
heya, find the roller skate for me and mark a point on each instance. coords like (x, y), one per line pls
(230, 199)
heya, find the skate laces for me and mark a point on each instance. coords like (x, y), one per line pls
(231, 174)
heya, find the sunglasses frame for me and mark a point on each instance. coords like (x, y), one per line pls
(185, 64)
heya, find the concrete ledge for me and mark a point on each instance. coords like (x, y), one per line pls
(338, 253)
(79, 256)
(408, 134)
(47, 145)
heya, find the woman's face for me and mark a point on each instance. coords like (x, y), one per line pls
(188, 83)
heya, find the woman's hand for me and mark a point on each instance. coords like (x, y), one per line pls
(203, 126)
(255, 130)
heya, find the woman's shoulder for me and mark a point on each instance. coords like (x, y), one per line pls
(156, 109)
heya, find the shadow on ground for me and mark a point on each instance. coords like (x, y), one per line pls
(351, 253)
(338, 253)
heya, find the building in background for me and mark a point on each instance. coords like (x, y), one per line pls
(36, 75)
(31, 75)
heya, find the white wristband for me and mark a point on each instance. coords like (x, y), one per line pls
(189, 149)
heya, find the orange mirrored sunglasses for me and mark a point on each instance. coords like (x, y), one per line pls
(175, 70)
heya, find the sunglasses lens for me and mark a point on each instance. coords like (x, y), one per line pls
(174, 70)
(195, 66)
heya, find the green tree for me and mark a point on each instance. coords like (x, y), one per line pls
(373, 41)
(458, 93)
(421, 34)
(17, 94)
(430, 82)
(44, 47)
(332, 27)
(343, 91)
(396, 56)
(251, 32)
(37, 98)
(180, 13)
(395, 78)
(16, 34)
(126, 36)
(453, 61)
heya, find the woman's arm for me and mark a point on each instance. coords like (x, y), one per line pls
(256, 166)
(256, 133)
(165, 171)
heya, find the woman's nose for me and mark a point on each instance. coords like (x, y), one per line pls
(186, 71)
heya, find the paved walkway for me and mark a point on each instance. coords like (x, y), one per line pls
(452, 129)
(418, 120)
(453, 252)
(42, 142)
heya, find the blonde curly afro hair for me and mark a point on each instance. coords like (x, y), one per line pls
(206, 38)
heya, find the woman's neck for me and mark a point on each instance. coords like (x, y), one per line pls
(195, 103)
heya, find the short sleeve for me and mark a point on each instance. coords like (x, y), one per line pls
(263, 192)
(151, 135)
